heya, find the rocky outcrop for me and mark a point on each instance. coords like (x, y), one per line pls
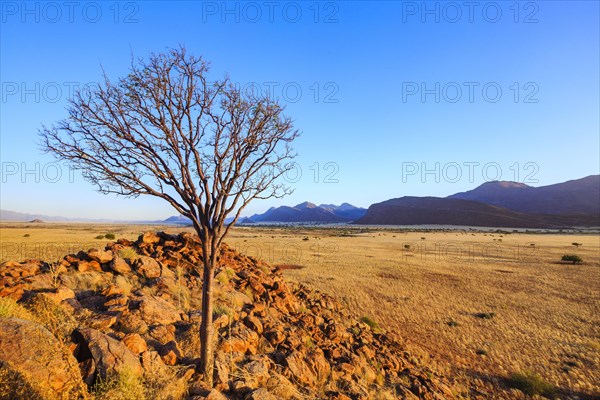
(273, 339)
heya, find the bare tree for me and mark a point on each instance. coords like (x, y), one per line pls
(166, 131)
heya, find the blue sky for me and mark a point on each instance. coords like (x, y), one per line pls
(382, 91)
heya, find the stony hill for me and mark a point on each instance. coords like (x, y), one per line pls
(122, 323)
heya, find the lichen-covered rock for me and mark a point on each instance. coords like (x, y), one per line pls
(120, 266)
(155, 310)
(135, 343)
(110, 356)
(32, 358)
(101, 256)
(148, 267)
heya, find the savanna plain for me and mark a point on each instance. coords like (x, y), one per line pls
(485, 308)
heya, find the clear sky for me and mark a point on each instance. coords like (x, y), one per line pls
(382, 91)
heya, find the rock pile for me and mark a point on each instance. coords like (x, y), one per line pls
(132, 308)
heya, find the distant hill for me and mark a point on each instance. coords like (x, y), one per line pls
(498, 204)
(346, 211)
(177, 219)
(181, 220)
(580, 196)
(308, 212)
(13, 216)
(444, 211)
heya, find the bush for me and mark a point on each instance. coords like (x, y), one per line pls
(370, 322)
(572, 259)
(110, 236)
(26, 235)
(530, 383)
(576, 244)
(100, 237)
(485, 315)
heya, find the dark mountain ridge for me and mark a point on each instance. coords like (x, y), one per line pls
(579, 196)
(498, 204)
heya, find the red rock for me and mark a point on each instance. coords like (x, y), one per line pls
(148, 267)
(157, 311)
(135, 343)
(300, 369)
(150, 238)
(120, 266)
(170, 353)
(110, 355)
(101, 256)
(84, 266)
(31, 350)
(254, 323)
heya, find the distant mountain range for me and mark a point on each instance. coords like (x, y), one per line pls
(492, 204)
(308, 212)
(498, 204)
(6, 215)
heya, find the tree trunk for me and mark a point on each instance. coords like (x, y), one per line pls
(206, 327)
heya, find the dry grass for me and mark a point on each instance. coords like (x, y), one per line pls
(124, 386)
(11, 309)
(432, 289)
(481, 304)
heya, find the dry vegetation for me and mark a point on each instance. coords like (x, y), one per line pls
(485, 306)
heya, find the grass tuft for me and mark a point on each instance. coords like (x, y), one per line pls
(129, 253)
(531, 383)
(11, 309)
(373, 324)
(124, 386)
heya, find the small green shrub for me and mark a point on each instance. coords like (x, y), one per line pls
(26, 235)
(110, 236)
(530, 383)
(308, 342)
(481, 352)
(485, 315)
(452, 323)
(370, 322)
(572, 258)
